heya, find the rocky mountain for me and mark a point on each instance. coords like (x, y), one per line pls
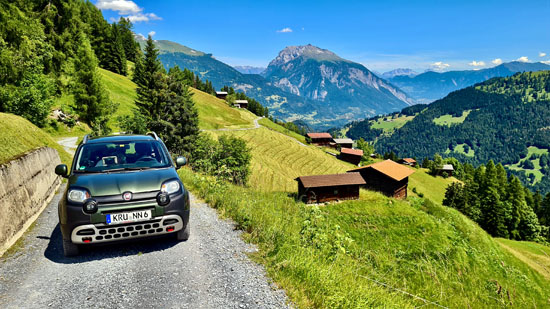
(246, 69)
(351, 90)
(399, 72)
(430, 86)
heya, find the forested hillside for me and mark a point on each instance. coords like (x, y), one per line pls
(503, 119)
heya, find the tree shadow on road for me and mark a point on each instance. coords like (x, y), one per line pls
(54, 251)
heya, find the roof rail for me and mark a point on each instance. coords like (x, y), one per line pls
(86, 137)
(154, 135)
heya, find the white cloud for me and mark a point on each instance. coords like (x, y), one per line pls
(285, 30)
(541, 54)
(497, 61)
(141, 36)
(477, 63)
(152, 33)
(523, 59)
(123, 7)
(439, 66)
(546, 62)
(143, 17)
(128, 8)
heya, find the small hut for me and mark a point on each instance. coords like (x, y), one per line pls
(387, 177)
(352, 156)
(221, 94)
(343, 142)
(447, 168)
(320, 139)
(326, 188)
(408, 161)
(241, 103)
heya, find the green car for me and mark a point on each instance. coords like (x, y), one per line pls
(121, 187)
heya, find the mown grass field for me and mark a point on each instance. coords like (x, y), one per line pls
(270, 125)
(533, 254)
(20, 136)
(432, 187)
(278, 159)
(448, 120)
(460, 149)
(214, 113)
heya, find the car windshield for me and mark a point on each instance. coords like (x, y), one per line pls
(102, 157)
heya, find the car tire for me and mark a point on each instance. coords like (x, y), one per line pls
(183, 234)
(70, 249)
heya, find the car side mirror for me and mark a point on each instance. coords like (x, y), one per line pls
(181, 161)
(61, 170)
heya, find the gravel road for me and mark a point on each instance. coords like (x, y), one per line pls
(210, 270)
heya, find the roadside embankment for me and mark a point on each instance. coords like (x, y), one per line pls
(26, 186)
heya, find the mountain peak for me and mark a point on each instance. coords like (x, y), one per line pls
(399, 72)
(306, 51)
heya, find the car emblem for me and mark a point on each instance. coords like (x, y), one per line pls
(127, 196)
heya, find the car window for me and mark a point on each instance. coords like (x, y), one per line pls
(98, 157)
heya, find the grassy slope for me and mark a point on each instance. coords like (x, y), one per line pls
(275, 127)
(19, 136)
(448, 120)
(428, 250)
(537, 256)
(536, 171)
(214, 113)
(392, 124)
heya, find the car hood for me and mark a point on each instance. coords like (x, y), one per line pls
(103, 184)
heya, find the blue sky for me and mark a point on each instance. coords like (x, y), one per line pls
(382, 35)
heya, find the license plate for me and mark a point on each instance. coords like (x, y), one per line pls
(128, 217)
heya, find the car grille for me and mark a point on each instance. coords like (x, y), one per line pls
(97, 233)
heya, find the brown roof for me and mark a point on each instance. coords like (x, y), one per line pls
(331, 180)
(389, 168)
(319, 135)
(355, 152)
(409, 160)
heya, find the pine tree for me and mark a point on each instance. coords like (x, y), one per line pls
(91, 99)
(150, 83)
(127, 38)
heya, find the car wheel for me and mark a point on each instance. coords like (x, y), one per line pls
(183, 234)
(70, 249)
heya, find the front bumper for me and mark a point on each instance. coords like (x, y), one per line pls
(101, 233)
(72, 219)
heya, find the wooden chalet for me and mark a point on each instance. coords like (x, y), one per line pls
(221, 94)
(352, 156)
(326, 188)
(447, 168)
(343, 142)
(320, 139)
(408, 161)
(241, 103)
(387, 177)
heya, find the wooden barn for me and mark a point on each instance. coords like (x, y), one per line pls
(221, 94)
(320, 139)
(387, 177)
(241, 103)
(343, 142)
(352, 156)
(408, 161)
(326, 188)
(447, 168)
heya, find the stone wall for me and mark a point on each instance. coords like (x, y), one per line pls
(27, 184)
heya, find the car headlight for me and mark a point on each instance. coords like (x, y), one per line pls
(170, 187)
(78, 195)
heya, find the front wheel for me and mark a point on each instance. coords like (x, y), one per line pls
(183, 234)
(70, 249)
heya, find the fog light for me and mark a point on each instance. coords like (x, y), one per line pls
(87, 240)
(163, 199)
(90, 206)
(170, 229)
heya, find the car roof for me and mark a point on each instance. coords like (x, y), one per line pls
(119, 138)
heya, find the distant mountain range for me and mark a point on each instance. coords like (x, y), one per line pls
(399, 72)
(430, 86)
(246, 69)
(337, 90)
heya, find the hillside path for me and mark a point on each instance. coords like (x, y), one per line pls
(69, 144)
(210, 270)
(256, 126)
